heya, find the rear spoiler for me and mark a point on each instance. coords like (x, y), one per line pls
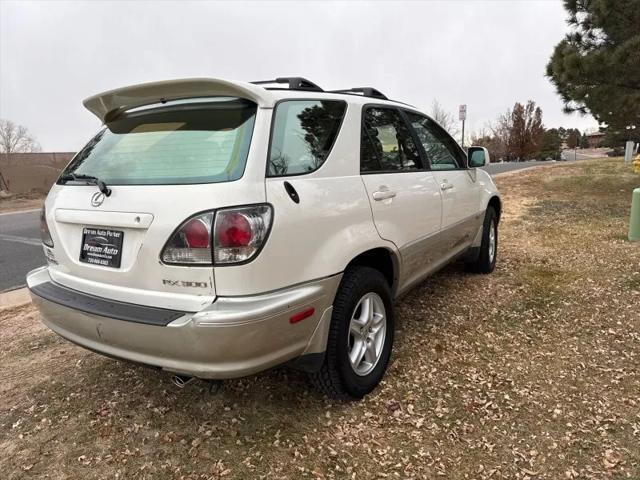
(109, 105)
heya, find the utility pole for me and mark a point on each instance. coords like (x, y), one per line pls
(462, 115)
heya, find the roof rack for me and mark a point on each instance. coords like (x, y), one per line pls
(365, 91)
(295, 83)
(301, 83)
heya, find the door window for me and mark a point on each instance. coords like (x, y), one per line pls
(387, 144)
(442, 150)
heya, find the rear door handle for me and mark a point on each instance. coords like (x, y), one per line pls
(446, 186)
(383, 195)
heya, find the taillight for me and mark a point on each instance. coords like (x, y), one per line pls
(239, 233)
(191, 243)
(45, 234)
(197, 233)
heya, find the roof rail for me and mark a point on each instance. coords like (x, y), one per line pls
(365, 91)
(295, 83)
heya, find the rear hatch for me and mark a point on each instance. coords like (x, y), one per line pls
(130, 189)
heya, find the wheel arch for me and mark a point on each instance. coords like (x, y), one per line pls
(496, 203)
(382, 259)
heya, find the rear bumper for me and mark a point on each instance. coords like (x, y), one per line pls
(232, 337)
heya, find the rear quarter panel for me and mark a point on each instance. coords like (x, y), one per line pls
(315, 238)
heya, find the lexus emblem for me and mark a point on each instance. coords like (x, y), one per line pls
(97, 199)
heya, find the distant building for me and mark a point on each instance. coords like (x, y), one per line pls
(595, 139)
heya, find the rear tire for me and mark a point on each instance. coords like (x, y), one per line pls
(360, 336)
(486, 261)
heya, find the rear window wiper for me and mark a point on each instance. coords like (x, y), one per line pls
(85, 178)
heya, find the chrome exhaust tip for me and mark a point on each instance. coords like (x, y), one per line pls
(181, 381)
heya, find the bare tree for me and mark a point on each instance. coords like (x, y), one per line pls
(16, 138)
(445, 119)
(517, 134)
(501, 133)
(495, 137)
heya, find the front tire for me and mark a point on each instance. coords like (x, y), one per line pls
(486, 261)
(360, 336)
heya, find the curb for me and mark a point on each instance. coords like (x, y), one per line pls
(15, 298)
(548, 165)
(513, 172)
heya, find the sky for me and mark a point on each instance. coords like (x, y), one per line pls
(486, 54)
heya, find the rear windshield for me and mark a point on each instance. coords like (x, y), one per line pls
(199, 142)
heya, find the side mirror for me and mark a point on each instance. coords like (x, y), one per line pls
(478, 157)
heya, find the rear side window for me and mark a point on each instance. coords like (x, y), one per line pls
(202, 142)
(387, 144)
(304, 132)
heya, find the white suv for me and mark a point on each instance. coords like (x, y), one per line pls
(215, 229)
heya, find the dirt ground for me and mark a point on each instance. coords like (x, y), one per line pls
(532, 372)
(23, 201)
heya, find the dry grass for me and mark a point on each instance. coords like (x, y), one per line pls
(532, 372)
(23, 201)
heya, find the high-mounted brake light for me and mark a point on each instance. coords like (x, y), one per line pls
(45, 234)
(239, 233)
(223, 237)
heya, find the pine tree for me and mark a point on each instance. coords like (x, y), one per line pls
(596, 68)
(551, 144)
(526, 130)
(573, 138)
(584, 141)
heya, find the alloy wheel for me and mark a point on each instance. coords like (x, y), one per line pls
(367, 331)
